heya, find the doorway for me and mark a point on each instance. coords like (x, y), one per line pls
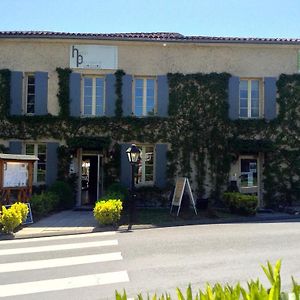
(91, 178)
(249, 174)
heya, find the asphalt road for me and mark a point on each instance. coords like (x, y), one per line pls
(92, 266)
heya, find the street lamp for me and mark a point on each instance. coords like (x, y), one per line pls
(133, 154)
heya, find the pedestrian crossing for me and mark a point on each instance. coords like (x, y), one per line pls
(61, 263)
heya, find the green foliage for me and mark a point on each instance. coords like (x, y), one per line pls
(198, 131)
(108, 212)
(241, 203)
(118, 88)
(44, 203)
(116, 191)
(65, 195)
(199, 128)
(63, 91)
(254, 291)
(4, 92)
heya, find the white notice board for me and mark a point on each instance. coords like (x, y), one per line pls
(182, 185)
(15, 174)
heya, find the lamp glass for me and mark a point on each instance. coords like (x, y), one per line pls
(133, 153)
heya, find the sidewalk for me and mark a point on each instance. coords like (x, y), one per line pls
(75, 222)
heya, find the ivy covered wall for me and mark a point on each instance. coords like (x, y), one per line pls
(203, 141)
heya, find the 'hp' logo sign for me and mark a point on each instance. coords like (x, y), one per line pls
(78, 57)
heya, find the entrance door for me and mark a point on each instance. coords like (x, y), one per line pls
(91, 178)
(249, 175)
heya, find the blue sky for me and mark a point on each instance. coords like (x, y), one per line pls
(252, 18)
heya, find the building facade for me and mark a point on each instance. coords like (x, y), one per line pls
(94, 90)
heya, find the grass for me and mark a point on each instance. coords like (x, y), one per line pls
(160, 216)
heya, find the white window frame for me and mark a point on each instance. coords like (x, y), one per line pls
(260, 99)
(145, 78)
(26, 77)
(93, 77)
(143, 181)
(35, 165)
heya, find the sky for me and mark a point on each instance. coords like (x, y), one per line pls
(241, 18)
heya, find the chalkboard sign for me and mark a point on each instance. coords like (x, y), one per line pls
(29, 219)
(182, 185)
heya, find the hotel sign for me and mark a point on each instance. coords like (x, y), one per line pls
(93, 57)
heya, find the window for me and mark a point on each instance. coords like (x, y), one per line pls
(145, 173)
(30, 94)
(250, 99)
(144, 96)
(93, 96)
(39, 170)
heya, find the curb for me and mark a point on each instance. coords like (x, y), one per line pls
(124, 228)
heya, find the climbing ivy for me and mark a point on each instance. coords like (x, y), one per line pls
(118, 88)
(63, 91)
(203, 141)
(4, 93)
(199, 127)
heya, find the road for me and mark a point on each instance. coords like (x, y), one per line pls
(93, 266)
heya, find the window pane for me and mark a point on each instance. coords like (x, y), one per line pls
(31, 79)
(138, 92)
(243, 112)
(99, 110)
(87, 110)
(150, 84)
(139, 83)
(29, 149)
(243, 103)
(88, 81)
(88, 101)
(31, 89)
(30, 108)
(41, 148)
(99, 82)
(243, 94)
(138, 111)
(88, 91)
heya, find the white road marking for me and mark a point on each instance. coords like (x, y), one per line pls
(33, 287)
(54, 238)
(59, 262)
(58, 247)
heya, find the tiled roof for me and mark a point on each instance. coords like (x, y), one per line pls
(144, 36)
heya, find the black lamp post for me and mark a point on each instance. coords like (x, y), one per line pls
(133, 154)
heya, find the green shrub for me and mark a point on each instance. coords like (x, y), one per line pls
(10, 219)
(116, 191)
(64, 193)
(43, 204)
(108, 212)
(240, 203)
(255, 290)
(22, 208)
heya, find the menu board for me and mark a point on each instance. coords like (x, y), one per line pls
(15, 174)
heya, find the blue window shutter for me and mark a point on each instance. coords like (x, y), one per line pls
(15, 147)
(75, 94)
(161, 165)
(162, 96)
(110, 95)
(127, 95)
(234, 97)
(16, 93)
(41, 93)
(51, 163)
(125, 166)
(270, 98)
